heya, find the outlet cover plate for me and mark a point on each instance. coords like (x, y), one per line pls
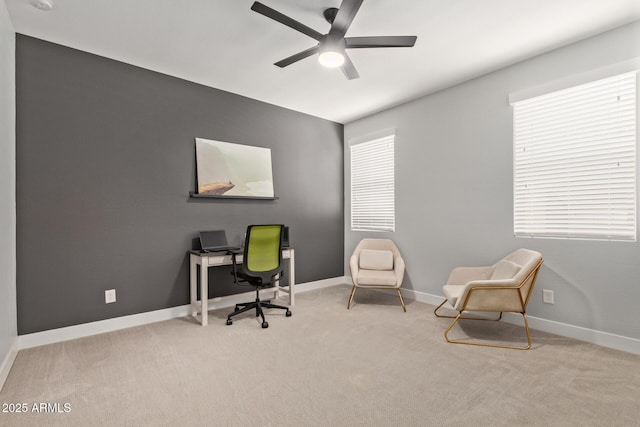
(109, 296)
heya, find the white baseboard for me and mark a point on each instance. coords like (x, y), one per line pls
(325, 283)
(109, 325)
(422, 296)
(99, 327)
(7, 363)
(605, 339)
(36, 339)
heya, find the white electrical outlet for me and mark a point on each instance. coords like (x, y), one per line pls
(109, 296)
(547, 296)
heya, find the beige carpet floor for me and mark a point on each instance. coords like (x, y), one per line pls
(372, 365)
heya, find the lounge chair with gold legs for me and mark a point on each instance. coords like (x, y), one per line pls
(376, 264)
(504, 287)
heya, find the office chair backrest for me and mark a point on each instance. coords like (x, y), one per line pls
(263, 251)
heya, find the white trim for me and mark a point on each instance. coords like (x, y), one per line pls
(576, 80)
(7, 363)
(605, 339)
(99, 327)
(422, 296)
(383, 133)
(324, 283)
(109, 325)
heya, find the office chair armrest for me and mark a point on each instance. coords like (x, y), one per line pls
(235, 269)
(277, 277)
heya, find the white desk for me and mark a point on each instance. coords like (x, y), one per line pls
(216, 259)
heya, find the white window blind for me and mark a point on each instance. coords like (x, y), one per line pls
(372, 185)
(575, 162)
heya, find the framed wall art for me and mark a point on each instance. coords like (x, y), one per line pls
(227, 170)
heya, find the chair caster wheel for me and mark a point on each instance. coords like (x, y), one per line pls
(265, 325)
(288, 313)
(229, 322)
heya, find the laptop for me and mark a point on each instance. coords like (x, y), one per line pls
(215, 241)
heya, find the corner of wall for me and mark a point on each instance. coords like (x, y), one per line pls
(8, 316)
(7, 363)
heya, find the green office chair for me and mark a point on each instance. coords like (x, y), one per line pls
(261, 267)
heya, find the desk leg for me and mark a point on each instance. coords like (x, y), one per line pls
(204, 291)
(292, 277)
(193, 283)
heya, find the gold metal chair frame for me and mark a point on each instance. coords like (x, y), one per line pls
(533, 275)
(353, 292)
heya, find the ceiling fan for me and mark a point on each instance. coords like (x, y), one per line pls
(332, 46)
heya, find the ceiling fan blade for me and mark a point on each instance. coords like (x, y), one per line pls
(284, 19)
(344, 17)
(348, 69)
(297, 57)
(381, 41)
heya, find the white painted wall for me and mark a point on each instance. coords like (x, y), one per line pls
(8, 330)
(454, 192)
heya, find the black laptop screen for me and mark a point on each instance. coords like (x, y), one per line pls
(213, 239)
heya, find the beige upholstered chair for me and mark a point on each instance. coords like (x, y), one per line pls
(505, 286)
(376, 264)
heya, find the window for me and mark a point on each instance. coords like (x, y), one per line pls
(372, 185)
(575, 162)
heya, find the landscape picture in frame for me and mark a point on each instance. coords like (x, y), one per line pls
(233, 170)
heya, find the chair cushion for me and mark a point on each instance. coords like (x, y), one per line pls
(452, 293)
(505, 269)
(373, 259)
(376, 278)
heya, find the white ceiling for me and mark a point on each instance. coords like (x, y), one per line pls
(225, 45)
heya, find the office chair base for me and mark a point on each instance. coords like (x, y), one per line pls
(258, 305)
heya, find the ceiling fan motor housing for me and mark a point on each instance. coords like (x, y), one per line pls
(329, 42)
(330, 14)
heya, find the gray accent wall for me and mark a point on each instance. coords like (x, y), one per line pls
(8, 332)
(454, 192)
(105, 163)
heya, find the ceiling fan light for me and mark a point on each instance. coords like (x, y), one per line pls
(331, 58)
